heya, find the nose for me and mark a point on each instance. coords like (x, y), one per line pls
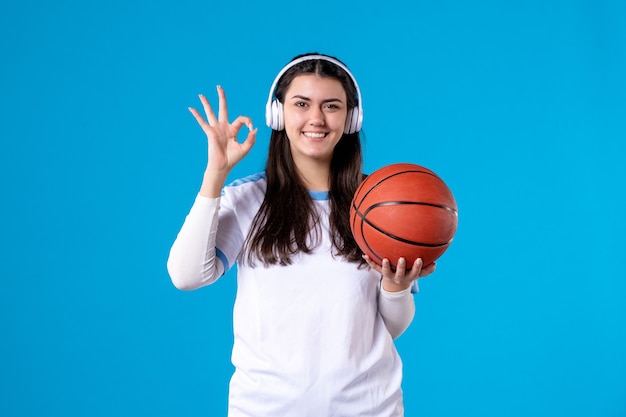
(317, 116)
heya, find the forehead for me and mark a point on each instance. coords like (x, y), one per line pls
(315, 86)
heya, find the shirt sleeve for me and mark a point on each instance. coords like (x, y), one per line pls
(192, 262)
(397, 310)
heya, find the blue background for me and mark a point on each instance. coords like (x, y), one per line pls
(520, 107)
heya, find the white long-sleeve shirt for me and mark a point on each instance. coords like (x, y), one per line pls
(311, 339)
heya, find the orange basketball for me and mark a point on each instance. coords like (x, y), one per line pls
(403, 210)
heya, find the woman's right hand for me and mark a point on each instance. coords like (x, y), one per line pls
(224, 149)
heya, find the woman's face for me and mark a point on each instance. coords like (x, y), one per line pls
(315, 110)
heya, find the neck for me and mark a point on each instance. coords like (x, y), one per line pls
(315, 175)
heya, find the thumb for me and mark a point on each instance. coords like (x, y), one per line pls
(247, 144)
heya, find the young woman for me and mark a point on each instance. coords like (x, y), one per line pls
(314, 321)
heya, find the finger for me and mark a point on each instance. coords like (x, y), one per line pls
(249, 142)
(386, 269)
(208, 110)
(223, 107)
(417, 267)
(373, 264)
(240, 121)
(401, 268)
(198, 117)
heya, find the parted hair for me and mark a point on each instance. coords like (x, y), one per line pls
(287, 222)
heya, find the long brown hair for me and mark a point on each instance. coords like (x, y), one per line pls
(287, 222)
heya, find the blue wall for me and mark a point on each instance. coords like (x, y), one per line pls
(519, 106)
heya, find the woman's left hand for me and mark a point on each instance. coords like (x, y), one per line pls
(401, 278)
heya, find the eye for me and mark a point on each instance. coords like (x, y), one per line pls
(300, 104)
(332, 106)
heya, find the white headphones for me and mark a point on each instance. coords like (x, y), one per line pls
(274, 114)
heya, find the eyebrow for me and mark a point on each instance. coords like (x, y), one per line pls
(328, 100)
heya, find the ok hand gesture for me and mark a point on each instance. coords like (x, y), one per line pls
(224, 149)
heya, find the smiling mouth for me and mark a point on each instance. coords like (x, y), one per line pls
(314, 135)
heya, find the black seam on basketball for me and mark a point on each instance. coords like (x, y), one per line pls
(391, 176)
(416, 203)
(367, 244)
(362, 232)
(398, 238)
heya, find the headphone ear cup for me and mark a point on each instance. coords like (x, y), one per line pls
(357, 119)
(279, 115)
(348, 127)
(353, 121)
(274, 117)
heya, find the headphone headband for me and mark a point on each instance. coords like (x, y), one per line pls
(273, 108)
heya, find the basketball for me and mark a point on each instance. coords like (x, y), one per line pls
(403, 210)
